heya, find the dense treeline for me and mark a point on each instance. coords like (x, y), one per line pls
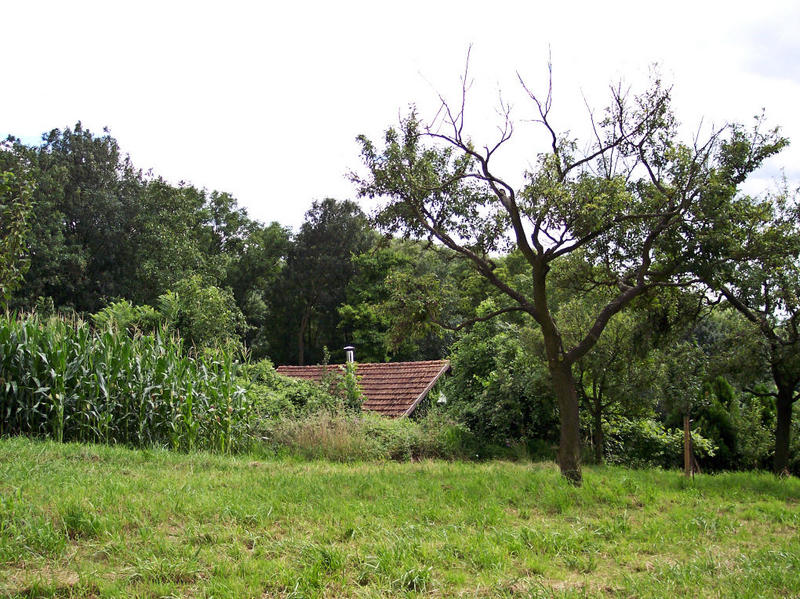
(85, 233)
(101, 231)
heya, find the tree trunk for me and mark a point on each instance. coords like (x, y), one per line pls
(569, 448)
(301, 336)
(783, 428)
(597, 433)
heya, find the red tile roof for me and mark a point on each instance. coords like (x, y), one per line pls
(392, 388)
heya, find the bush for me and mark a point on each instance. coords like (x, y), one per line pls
(499, 387)
(644, 443)
(204, 315)
(274, 396)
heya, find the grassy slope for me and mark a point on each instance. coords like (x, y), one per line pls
(97, 521)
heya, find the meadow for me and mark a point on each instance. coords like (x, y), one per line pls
(101, 521)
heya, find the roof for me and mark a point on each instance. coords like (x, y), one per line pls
(391, 388)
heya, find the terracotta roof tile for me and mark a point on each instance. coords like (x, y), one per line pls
(390, 388)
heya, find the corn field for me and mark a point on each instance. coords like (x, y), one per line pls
(66, 381)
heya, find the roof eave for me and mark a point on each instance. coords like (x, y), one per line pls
(422, 395)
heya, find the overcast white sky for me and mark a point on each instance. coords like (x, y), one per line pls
(264, 100)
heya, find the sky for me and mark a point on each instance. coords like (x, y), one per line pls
(264, 100)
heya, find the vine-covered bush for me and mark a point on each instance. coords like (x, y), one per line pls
(275, 396)
(499, 388)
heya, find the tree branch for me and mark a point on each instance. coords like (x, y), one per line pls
(472, 321)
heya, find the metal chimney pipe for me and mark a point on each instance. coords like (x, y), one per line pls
(350, 351)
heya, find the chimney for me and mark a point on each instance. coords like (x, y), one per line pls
(350, 352)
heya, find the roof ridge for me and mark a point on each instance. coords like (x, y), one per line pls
(442, 361)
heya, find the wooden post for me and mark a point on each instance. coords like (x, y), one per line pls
(687, 447)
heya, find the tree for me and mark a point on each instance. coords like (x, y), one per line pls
(15, 210)
(165, 239)
(398, 290)
(100, 229)
(86, 192)
(762, 281)
(318, 269)
(617, 376)
(363, 315)
(636, 205)
(253, 275)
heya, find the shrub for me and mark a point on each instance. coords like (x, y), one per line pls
(203, 314)
(642, 443)
(275, 396)
(499, 387)
(348, 387)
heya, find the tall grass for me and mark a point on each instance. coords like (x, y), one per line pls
(99, 521)
(66, 381)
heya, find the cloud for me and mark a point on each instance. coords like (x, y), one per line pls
(774, 46)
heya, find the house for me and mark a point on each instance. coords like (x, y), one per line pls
(393, 389)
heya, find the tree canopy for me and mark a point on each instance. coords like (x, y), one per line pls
(637, 204)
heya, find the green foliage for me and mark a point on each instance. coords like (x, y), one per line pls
(79, 241)
(172, 240)
(718, 417)
(124, 316)
(254, 278)
(62, 380)
(617, 376)
(349, 388)
(755, 433)
(105, 230)
(15, 212)
(402, 294)
(761, 280)
(500, 387)
(635, 207)
(203, 314)
(274, 396)
(683, 370)
(318, 269)
(646, 443)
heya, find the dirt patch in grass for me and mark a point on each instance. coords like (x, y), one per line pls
(24, 582)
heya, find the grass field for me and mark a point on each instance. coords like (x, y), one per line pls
(93, 521)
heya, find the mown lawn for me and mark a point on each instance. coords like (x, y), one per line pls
(91, 521)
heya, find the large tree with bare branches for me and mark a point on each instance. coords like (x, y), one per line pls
(633, 205)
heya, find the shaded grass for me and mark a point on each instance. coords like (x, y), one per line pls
(95, 521)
